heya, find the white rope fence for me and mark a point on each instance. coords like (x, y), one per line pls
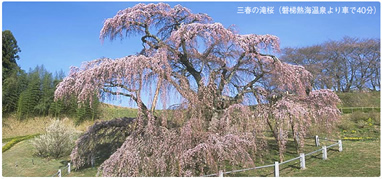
(60, 171)
(276, 165)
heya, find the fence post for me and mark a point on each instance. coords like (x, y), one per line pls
(340, 145)
(92, 161)
(277, 174)
(59, 172)
(220, 173)
(324, 153)
(302, 161)
(317, 141)
(68, 168)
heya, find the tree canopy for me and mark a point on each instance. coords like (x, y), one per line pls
(10, 52)
(218, 72)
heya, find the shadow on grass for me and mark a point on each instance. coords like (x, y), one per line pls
(64, 163)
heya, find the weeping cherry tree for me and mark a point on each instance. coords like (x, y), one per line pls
(217, 73)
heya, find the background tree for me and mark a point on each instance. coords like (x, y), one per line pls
(344, 65)
(30, 97)
(367, 56)
(10, 51)
(12, 79)
(216, 71)
(31, 94)
(36, 97)
(12, 86)
(46, 92)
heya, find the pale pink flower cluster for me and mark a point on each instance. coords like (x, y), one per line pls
(254, 43)
(296, 114)
(136, 19)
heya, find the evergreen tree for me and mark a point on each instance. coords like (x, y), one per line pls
(13, 85)
(11, 71)
(87, 111)
(32, 94)
(29, 98)
(57, 107)
(10, 50)
(47, 92)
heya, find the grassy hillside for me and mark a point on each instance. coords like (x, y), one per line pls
(360, 131)
(109, 112)
(12, 127)
(357, 99)
(359, 123)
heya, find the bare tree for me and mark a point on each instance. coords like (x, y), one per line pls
(344, 65)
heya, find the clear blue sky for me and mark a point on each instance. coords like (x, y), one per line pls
(63, 34)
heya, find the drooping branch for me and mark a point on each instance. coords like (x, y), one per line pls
(139, 102)
(97, 76)
(159, 84)
(100, 141)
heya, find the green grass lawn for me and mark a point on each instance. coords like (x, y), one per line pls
(358, 159)
(19, 161)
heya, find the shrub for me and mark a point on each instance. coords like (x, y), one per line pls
(376, 117)
(346, 125)
(359, 116)
(58, 140)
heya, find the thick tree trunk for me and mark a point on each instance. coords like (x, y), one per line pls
(281, 153)
(296, 139)
(278, 141)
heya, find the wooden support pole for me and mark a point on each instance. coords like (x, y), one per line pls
(68, 168)
(92, 161)
(340, 145)
(324, 153)
(220, 173)
(277, 172)
(302, 161)
(317, 141)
